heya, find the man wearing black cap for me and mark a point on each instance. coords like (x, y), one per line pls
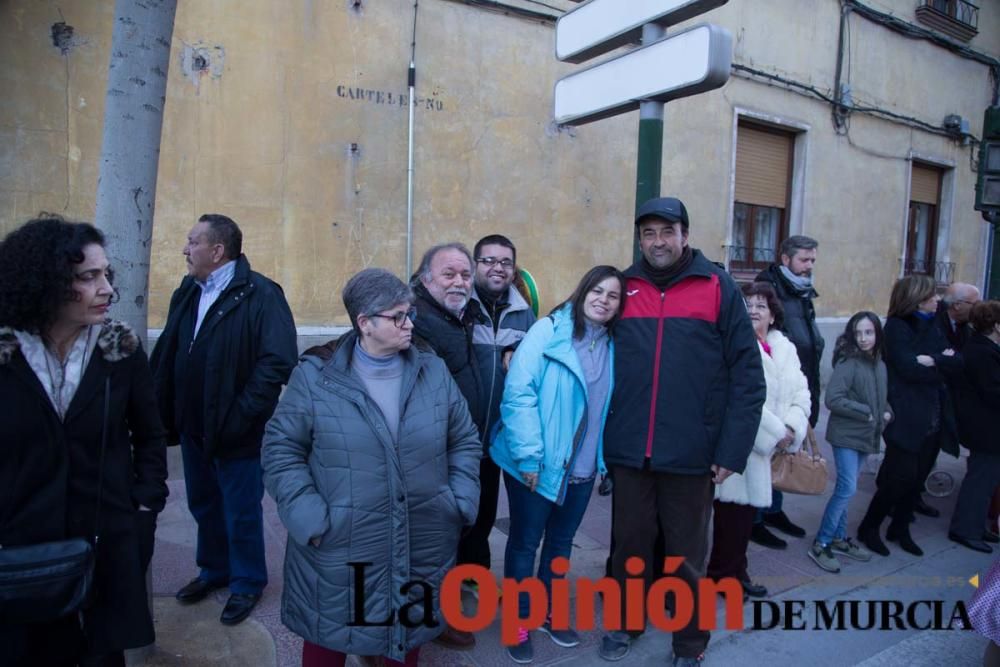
(688, 392)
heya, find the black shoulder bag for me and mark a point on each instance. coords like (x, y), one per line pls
(43, 582)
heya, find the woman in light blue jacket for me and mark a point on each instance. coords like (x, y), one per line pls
(550, 439)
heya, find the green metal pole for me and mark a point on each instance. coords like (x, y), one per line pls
(649, 161)
(993, 270)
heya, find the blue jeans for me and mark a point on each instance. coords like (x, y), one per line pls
(834, 523)
(224, 497)
(531, 517)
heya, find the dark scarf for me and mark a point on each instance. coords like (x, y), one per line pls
(663, 277)
(494, 305)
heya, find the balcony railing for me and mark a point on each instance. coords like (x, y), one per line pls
(942, 272)
(744, 256)
(955, 18)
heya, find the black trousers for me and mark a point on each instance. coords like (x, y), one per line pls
(731, 528)
(681, 505)
(474, 547)
(981, 478)
(899, 480)
(927, 463)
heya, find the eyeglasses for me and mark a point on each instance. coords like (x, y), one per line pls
(490, 261)
(399, 318)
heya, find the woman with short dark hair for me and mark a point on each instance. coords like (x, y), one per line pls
(917, 357)
(783, 424)
(76, 391)
(979, 407)
(372, 458)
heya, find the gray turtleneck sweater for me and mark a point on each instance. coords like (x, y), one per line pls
(383, 379)
(593, 352)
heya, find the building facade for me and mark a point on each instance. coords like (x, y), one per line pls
(855, 123)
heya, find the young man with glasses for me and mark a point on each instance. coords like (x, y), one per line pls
(502, 317)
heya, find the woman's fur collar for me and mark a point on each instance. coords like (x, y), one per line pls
(116, 339)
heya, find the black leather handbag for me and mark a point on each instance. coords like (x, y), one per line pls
(43, 582)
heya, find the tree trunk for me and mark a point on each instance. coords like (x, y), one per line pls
(130, 152)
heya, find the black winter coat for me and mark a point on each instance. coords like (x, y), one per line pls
(448, 337)
(252, 351)
(800, 328)
(957, 337)
(48, 482)
(688, 385)
(918, 394)
(980, 404)
(956, 378)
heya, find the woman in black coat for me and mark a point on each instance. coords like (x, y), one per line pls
(67, 376)
(979, 407)
(917, 358)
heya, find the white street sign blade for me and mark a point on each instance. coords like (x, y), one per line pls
(684, 63)
(599, 26)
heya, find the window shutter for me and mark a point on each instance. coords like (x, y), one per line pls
(925, 184)
(763, 166)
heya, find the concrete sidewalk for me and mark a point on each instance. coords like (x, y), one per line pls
(192, 635)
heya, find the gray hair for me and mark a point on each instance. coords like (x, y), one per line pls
(424, 270)
(793, 244)
(371, 291)
(960, 292)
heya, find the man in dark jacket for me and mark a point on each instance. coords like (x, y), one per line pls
(792, 281)
(501, 320)
(952, 319)
(444, 324)
(688, 393)
(227, 348)
(953, 313)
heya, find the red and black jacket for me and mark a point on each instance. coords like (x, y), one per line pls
(689, 385)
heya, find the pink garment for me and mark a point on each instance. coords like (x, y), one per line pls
(984, 607)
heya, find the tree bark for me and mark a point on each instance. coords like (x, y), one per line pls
(130, 151)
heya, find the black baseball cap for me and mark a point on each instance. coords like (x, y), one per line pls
(670, 209)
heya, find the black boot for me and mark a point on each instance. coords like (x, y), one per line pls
(762, 536)
(900, 532)
(869, 536)
(781, 521)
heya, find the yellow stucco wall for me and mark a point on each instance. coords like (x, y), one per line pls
(265, 136)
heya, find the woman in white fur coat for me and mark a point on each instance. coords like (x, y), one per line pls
(783, 425)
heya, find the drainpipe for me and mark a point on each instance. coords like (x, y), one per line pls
(412, 82)
(409, 178)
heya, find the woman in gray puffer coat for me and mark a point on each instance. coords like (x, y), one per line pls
(372, 459)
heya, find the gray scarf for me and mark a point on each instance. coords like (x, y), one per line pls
(802, 284)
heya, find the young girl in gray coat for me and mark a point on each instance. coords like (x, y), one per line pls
(859, 411)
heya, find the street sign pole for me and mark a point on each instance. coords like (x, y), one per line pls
(993, 268)
(649, 162)
(691, 61)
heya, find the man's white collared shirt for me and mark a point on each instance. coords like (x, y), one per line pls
(211, 289)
